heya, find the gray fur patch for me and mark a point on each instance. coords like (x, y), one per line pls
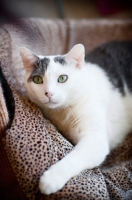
(43, 64)
(41, 67)
(60, 60)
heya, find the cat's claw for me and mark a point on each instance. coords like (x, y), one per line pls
(51, 181)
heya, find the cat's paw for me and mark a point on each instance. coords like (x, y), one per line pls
(51, 181)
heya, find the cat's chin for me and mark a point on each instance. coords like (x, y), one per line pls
(52, 105)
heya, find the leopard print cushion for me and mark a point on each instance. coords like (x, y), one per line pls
(33, 144)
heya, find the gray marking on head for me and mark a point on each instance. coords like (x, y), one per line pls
(43, 63)
(41, 67)
(60, 60)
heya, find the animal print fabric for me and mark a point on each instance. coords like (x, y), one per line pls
(33, 144)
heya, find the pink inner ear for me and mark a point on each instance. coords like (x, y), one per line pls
(29, 59)
(80, 61)
(30, 63)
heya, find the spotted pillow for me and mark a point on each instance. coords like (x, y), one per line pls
(33, 144)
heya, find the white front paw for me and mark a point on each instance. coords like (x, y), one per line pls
(51, 181)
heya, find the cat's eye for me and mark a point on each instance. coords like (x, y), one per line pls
(37, 80)
(62, 78)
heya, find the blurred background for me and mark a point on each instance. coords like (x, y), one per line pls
(10, 9)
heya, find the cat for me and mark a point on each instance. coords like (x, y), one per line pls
(89, 99)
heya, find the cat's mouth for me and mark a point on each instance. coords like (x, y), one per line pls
(50, 103)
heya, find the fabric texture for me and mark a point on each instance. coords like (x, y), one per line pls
(9, 187)
(33, 144)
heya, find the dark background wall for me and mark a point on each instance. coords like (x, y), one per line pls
(10, 9)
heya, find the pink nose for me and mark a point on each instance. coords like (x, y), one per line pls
(48, 94)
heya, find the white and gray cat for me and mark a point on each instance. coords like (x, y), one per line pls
(88, 98)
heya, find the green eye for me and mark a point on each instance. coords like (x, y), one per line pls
(62, 78)
(37, 80)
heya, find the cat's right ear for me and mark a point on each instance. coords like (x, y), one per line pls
(29, 59)
(77, 54)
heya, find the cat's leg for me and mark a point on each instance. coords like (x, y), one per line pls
(89, 152)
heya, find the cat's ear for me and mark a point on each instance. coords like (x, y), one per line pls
(77, 54)
(29, 59)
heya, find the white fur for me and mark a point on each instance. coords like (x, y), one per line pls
(87, 110)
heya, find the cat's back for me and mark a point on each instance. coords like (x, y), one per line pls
(115, 58)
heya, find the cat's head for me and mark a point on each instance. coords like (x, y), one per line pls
(53, 81)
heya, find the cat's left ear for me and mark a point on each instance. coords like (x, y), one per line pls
(77, 54)
(29, 59)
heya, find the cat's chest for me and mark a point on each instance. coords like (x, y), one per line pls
(66, 122)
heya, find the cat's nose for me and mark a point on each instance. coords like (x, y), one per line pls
(48, 94)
